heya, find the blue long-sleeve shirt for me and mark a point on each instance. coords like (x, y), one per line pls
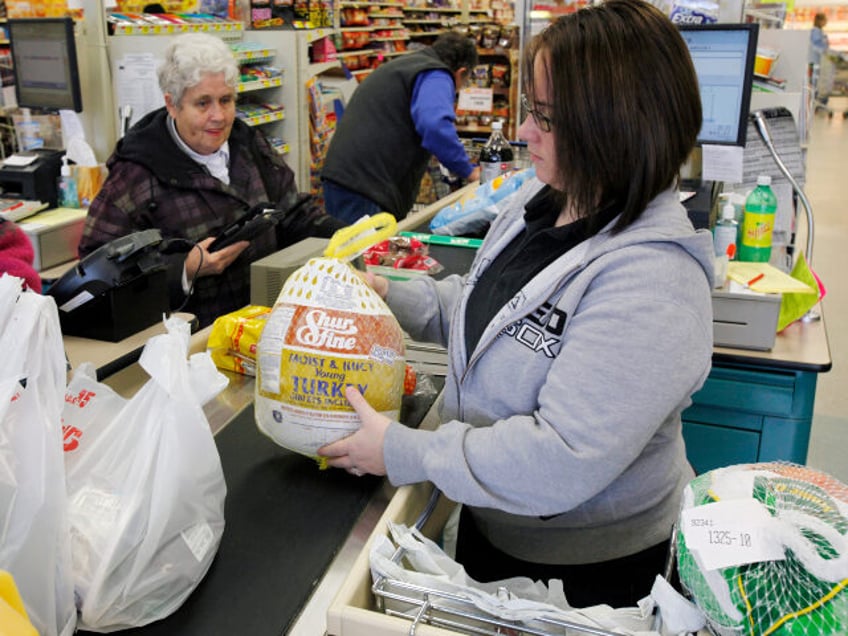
(433, 113)
(818, 45)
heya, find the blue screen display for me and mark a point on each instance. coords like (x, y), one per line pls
(723, 57)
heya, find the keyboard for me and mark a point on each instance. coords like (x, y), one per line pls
(16, 209)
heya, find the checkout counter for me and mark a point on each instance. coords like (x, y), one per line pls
(294, 532)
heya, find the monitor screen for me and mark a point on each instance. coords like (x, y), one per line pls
(44, 58)
(723, 55)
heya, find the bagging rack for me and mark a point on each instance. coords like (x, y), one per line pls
(456, 613)
(429, 606)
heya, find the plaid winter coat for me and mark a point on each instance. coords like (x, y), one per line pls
(154, 184)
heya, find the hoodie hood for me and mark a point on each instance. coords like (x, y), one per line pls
(664, 220)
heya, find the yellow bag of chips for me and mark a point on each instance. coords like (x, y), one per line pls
(233, 338)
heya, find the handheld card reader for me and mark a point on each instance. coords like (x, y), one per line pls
(253, 223)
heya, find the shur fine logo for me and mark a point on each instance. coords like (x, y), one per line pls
(322, 330)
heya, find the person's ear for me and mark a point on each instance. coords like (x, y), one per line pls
(170, 105)
(461, 77)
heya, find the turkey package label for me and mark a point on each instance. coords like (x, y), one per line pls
(328, 330)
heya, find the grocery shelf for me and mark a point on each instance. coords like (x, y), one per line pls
(253, 55)
(265, 118)
(259, 84)
(224, 30)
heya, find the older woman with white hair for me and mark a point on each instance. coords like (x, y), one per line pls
(190, 169)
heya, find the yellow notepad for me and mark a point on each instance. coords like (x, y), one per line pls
(762, 277)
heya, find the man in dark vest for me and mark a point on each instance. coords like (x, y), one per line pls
(399, 116)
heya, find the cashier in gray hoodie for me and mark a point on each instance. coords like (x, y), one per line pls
(581, 330)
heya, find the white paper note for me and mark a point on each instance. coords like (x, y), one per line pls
(721, 163)
(729, 533)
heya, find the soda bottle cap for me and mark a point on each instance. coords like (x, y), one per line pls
(728, 211)
(497, 125)
(764, 180)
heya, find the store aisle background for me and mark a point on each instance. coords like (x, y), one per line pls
(827, 190)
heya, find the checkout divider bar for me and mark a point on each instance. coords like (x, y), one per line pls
(439, 239)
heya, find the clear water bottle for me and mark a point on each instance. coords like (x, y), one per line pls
(496, 156)
(724, 232)
(758, 222)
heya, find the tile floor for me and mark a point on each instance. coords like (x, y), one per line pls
(827, 175)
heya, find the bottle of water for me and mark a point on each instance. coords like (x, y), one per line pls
(724, 232)
(758, 222)
(496, 156)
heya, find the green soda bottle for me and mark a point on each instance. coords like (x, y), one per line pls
(758, 222)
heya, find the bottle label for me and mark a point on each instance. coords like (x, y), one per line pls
(724, 236)
(758, 229)
(492, 169)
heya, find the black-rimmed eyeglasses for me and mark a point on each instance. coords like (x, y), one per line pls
(544, 122)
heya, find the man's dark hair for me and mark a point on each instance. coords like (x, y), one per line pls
(456, 50)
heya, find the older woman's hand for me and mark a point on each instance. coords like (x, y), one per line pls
(361, 452)
(201, 262)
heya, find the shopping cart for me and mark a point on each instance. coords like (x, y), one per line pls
(824, 80)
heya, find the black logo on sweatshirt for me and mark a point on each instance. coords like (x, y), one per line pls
(540, 331)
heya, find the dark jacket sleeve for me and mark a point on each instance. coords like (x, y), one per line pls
(306, 221)
(119, 208)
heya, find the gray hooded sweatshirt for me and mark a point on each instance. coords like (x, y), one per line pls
(562, 431)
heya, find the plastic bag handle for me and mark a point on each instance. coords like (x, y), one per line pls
(350, 241)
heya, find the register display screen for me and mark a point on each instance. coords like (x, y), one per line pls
(45, 63)
(723, 55)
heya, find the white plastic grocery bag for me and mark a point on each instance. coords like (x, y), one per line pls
(89, 408)
(145, 487)
(34, 544)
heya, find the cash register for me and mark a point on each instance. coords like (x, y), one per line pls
(36, 46)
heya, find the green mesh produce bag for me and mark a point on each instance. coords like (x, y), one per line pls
(795, 515)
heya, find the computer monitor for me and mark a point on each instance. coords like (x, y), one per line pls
(723, 55)
(44, 57)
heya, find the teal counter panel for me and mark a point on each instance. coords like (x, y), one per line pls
(709, 447)
(750, 413)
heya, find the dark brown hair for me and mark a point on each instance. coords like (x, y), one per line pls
(625, 104)
(456, 50)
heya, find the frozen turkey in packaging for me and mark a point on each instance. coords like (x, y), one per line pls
(328, 329)
(763, 550)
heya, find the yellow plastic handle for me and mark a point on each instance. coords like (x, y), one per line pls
(353, 239)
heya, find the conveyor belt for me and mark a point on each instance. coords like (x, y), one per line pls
(286, 519)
